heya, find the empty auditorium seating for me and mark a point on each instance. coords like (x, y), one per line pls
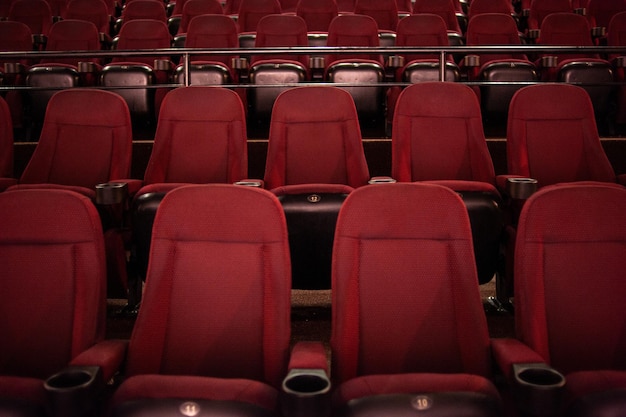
(317, 14)
(53, 278)
(569, 296)
(141, 9)
(432, 119)
(588, 70)
(140, 71)
(405, 250)
(447, 11)
(385, 13)
(314, 159)
(358, 69)
(276, 30)
(497, 29)
(489, 6)
(94, 11)
(6, 146)
(539, 9)
(251, 11)
(209, 31)
(191, 145)
(218, 257)
(552, 138)
(36, 15)
(600, 12)
(52, 74)
(179, 24)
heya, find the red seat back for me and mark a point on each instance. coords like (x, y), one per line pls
(193, 145)
(315, 138)
(86, 139)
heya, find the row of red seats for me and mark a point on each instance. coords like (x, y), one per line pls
(315, 138)
(408, 329)
(596, 73)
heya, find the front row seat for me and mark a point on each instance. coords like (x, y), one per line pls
(53, 308)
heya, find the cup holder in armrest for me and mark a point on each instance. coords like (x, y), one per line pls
(250, 183)
(111, 193)
(539, 388)
(306, 393)
(521, 188)
(72, 392)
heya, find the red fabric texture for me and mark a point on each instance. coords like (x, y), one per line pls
(193, 8)
(315, 137)
(424, 29)
(193, 145)
(395, 234)
(494, 29)
(432, 120)
(212, 31)
(96, 12)
(144, 9)
(443, 8)
(193, 387)
(251, 11)
(35, 14)
(317, 13)
(552, 136)
(385, 13)
(72, 35)
(412, 384)
(539, 9)
(478, 7)
(281, 30)
(219, 275)
(353, 30)
(142, 34)
(569, 248)
(600, 12)
(53, 281)
(86, 140)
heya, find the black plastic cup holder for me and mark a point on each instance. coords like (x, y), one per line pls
(306, 393)
(109, 193)
(521, 188)
(539, 388)
(73, 391)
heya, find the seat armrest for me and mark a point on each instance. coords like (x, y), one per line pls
(306, 388)
(516, 186)
(73, 391)
(537, 386)
(108, 355)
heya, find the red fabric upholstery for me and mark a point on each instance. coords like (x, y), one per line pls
(52, 268)
(72, 35)
(566, 29)
(142, 34)
(251, 11)
(478, 7)
(15, 37)
(569, 264)
(315, 138)
(353, 30)
(600, 12)
(438, 135)
(219, 256)
(281, 30)
(443, 8)
(424, 29)
(144, 9)
(96, 12)
(86, 139)
(195, 8)
(494, 29)
(35, 14)
(193, 145)
(552, 136)
(317, 13)
(417, 238)
(539, 9)
(384, 12)
(212, 31)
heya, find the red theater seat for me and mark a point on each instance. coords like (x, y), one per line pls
(53, 278)
(405, 251)
(438, 137)
(219, 275)
(191, 145)
(569, 310)
(314, 159)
